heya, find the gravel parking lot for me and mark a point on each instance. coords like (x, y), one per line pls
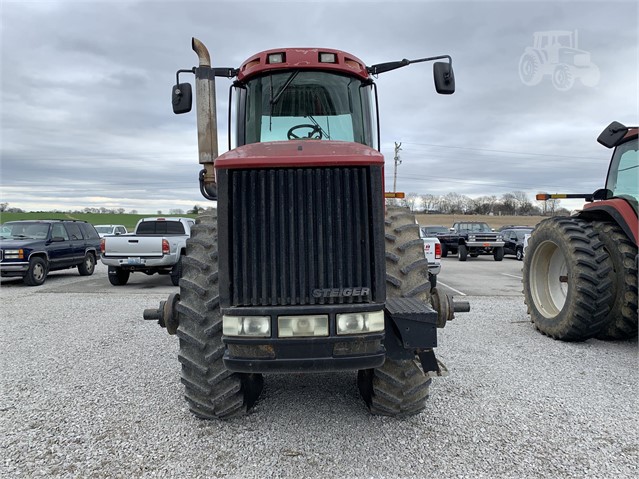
(91, 390)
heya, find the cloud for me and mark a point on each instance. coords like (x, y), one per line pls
(86, 113)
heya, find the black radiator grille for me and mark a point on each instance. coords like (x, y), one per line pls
(294, 231)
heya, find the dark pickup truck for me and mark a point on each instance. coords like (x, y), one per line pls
(472, 238)
(30, 249)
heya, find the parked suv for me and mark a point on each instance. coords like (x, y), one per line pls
(31, 249)
(514, 241)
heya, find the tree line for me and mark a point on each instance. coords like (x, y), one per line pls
(4, 208)
(515, 203)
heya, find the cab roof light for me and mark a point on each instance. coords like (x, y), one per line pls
(274, 58)
(325, 57)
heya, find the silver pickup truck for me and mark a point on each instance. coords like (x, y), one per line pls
(157, 246)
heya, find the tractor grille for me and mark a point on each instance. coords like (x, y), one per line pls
(296, 231)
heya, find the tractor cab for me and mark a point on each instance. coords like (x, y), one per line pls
(623, 175)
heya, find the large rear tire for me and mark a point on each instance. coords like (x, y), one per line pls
(400, 387)
(621, 322)
(566, 277)
(211, 391)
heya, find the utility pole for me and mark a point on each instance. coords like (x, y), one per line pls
(397, 163)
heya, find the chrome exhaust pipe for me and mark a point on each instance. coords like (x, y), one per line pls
(206, 118)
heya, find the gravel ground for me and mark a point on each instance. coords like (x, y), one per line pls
(90, 390)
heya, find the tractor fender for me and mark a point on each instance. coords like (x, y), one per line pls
(617, 210)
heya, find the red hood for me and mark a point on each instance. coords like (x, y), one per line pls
(303, 153)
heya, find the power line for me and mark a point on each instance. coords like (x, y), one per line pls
(503, 151)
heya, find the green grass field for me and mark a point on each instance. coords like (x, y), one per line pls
(128, 220)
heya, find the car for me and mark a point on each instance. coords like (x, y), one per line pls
(514, 241)
(107, 230)
(31, 249)
(526, 239)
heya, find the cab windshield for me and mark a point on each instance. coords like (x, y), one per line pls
(307, 105)
(623, 178)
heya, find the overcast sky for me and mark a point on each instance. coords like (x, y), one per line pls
(87, 119)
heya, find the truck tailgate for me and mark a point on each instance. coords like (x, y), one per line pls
(139, 246)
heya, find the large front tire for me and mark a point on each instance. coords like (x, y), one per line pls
(621, 322)
(566, 277)
(211, 391)
(400, 387)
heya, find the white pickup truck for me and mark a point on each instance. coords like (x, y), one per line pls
(157, 246)
(433, 253)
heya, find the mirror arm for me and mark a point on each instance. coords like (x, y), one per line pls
(385, 67)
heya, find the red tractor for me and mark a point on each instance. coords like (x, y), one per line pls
(580, 272)
(301, 268)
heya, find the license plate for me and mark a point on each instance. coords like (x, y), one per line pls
(486, 244)
(134, 261)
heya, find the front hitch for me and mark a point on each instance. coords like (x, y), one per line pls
(166, 315)
(446, 307)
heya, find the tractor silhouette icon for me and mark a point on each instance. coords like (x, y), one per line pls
(556, 53)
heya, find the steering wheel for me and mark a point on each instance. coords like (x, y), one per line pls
(314, 130)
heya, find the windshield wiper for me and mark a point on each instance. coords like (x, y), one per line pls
(318, 126)
(283, 88)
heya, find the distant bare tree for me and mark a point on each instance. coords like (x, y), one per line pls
(3, 207)
(429, 202)
(482, 205)
(176, 211)
(509, 203)
(412, 200)
(548, 207)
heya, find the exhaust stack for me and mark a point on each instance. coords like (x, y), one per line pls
(206, 118)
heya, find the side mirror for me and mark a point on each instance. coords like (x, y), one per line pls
(444, 78)
(602, 194)
(612, 135)
(57, 239)
(182, 98)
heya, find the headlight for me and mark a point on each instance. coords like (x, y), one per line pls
(14, 254)
(300, 326)
(246, 326)
(354, 323)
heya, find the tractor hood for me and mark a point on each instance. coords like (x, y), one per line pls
(300, 153)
